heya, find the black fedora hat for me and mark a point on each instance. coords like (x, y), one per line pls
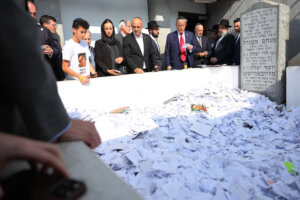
(152, 24)
(215, 28)
(224, 22)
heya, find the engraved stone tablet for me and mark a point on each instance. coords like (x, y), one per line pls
(264, 29)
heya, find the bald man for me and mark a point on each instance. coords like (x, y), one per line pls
(138, 50)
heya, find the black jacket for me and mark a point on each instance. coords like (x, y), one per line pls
(103, 57)
(205, 47)
(134, 56)
(45, 38)
(224, 50)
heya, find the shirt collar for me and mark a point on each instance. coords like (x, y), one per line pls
(136, 37)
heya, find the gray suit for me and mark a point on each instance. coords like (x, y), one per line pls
(29, 103)
(119, 37)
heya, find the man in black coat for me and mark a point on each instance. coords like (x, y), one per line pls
(237, 45)
(224, 47)
(138, 49)
(153, 29)
(203, 46)
(48, 46)
(49, 22)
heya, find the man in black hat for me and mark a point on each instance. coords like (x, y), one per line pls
(153, 29)
(236, 60)
(224, 47)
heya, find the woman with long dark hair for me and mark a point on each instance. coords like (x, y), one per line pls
(108, 52)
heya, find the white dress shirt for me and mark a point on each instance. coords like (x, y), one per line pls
(140, 42)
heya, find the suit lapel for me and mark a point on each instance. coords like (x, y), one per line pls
(136, 44)
(177, 40)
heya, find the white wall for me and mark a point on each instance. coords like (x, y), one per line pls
(108, 93)
(96, 11)
(292, 86)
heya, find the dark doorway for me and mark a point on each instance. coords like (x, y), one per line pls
(193, 19)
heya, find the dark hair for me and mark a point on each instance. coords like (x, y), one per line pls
(102, 27)
(46, 19)
(79, 22)
(237, 20)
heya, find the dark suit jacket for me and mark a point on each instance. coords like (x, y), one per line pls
(157, 55)
(29, 103)
(237, 52)
(134, 56)
(45, 37)
(103, 57)
(205, 47)
(172, 52)
(224, 50)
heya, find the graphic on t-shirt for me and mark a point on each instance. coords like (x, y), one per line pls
(82, 59)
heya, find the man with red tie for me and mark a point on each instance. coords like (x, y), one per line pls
(180, 47)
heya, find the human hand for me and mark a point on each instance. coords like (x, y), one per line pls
(82, 130)
(119, 60)
(112, 72)
(139, 71)
(190, 47)
(47, 50)
(205, 53)
(19, 148)
(213, 60)
(156, 68)
(84, 79)
(169, 68)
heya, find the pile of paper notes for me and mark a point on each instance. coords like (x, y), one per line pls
(237, 150)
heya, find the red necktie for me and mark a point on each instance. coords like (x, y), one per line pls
(182, 51)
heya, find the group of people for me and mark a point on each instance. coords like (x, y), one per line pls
(33, 115)
(131, 51)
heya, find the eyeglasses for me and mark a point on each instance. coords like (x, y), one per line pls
(55, 25)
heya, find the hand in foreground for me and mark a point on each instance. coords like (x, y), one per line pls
(36, 152)
(169, 68)
(82, 130)
(84, 79)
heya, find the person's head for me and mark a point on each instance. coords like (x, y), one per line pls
(49, 22)
(125, 27)
(181, 23)
(237, 25)
(223, 27)
(107, 28)
(153, 28)
(87, 37)
(213, 35)
(32, 9)
(79, 28)
(199, 30)
(137, 26)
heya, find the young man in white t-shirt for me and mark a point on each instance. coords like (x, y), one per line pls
(76, 54)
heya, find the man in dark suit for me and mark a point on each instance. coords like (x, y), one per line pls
(237, 46)
(48, 47)
(138, 50)
(224, 47)
(153, 29)
(30, 105)
(124, 30)
(180, 47)
(203, 46)
(49, 22)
